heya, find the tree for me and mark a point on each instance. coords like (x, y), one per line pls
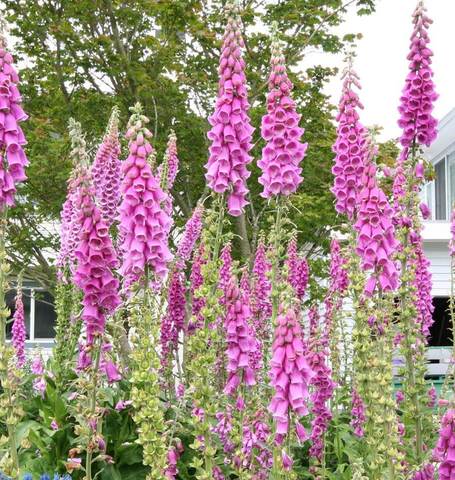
(83, 57)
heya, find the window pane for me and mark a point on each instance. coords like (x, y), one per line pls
(45, 316)
(10, 303)
(451, 160)
(440, 190)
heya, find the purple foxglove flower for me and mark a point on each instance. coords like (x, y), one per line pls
(290, 373)
(144, 225)
(231, 130)
(444, 452)
(357, 414)
(281, 157)
(425, 211)
(196, 281)
(261, 303)
(376, 242)
(122, 404)
(106, 171)
(171, 163)
(54, 425)
(298, 269)
(225, 271)
(12, 159)
(37, 367)
(112, 372)
(350, 148)
(174, 320)
(96, 258)
(18, 330)
(240, 341)
(287, 461)
(193, 229)
(425, 473)
(418, 95)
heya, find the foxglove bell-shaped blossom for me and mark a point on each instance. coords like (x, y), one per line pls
(281, 157)
(96, 259)
(144, 225)
(298, 269)
(174, 321)
(240, 343)
(376, 242)
(418, 96)
(357, 414)
(425, 473)
(350, 148)
(445, 447)
(18, 330)
(231, 129)
(193, 229)
(106, 171)
(261, 304)
(290, 373)
(12, 157)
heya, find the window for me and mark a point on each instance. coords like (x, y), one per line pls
(40, 316)
(440, 190)
(440, 331)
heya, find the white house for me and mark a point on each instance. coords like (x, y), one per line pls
(440, 197)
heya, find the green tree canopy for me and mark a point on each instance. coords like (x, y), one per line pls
(84, 56)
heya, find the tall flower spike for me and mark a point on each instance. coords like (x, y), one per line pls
(240, 343)
(418, 94)
(231, 129)
(290, 373)
(18, 331)
(169, 169)
(95, 255)
(376, 242)
(349, 147)
(144, 225)
(196, 281)
(445, 450)
(193, 229)
(298, 274)
(281, 157)
(106, 171)
(12, 157)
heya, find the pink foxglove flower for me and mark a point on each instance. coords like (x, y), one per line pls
(12, 158)
(376, 242)
(174, 321)
(425, 473)
(96, 259)
(196, 281)
(350, 148)
(106, 171)
(225, 276)
(445, 447)
(169, 169)
(358, 414)
(418, 94)
(261, 304)
(240, 342)
(231, 129)
(290, 373)
(281, 157)
(298, 275)
(18, 331)
(193, 229)
(144, 225)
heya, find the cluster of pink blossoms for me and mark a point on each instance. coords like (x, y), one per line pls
(376, 243)
(281, 173)
(299, 271)
(350, 148)
(358, 414)
(193, 229)
(18, 331)
(426, 473)
(261, 304)
(240, 342)
(106, 171)
(12, 157)
(196, 281)
(445, 447)
(231, 129)
(418, 93)
(144, 225)
(323, 391)
(167, 172)
(174, 321)
(96, 258)
(289, 372)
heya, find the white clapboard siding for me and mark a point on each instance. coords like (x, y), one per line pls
(438, 255)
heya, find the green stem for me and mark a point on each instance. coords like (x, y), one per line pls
(276, 262)
(92, 406)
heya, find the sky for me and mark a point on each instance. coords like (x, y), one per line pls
(381, 59)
